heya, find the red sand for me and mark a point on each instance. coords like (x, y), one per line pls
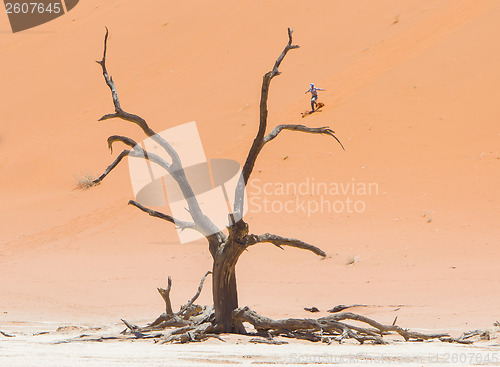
(413, 102)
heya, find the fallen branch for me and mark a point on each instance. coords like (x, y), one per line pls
(165, 294)
(195, 297)
(329, 328)
(343, 307)
(465, 337)
(138, 334)
(200, 333)
(267, 341)
(7, 335)
(311, 309)
(405, 333)
(189, 319)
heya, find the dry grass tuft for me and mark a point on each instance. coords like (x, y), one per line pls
(352, 260)
(84, 182)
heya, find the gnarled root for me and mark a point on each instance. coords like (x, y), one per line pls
(194, 323)
(332, 328)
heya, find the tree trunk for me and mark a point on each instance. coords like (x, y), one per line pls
(225, 297)
(225, 293)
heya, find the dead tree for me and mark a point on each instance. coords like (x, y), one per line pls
(198, 323)
(225, 250)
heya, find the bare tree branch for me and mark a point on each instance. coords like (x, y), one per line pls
(111, 167)
(116, 101)
(258, 142)
(279, 241)
(177, 170)
(313, 130)
(179, 223)
(288, 47)
(137, 152)
(6, 335)
(295, 327)
(165, 294)
(405, 333)
(195, 297)
(125, 140)
(260, 322)
(120, 113)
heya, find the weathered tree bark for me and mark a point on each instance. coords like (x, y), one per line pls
(333, 326)
(165, 294)
(224, 288)
(225, 294)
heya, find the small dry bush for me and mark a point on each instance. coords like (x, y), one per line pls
(84, 182)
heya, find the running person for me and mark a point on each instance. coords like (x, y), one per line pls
(314, 95)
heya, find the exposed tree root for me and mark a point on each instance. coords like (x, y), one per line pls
(331, 328)
(199, 325)
(194, 323)
(191, 323)
(465, 338)
(311, 309)
(6, 335)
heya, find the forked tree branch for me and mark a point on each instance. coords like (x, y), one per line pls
(175, 168)
(125, 140)
(119, 112)
(179, 223)
(195, 313)
(279, 241)
(405, 333)
(195, 297)
(288, 47)
(165, 294)
(137, 152)
(261, 139)
(312, 130)
(258, 142)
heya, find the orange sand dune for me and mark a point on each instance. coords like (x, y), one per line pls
(411, 92)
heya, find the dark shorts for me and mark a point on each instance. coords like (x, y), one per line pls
(314, 98)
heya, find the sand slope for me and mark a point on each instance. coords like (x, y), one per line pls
(413, 102)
